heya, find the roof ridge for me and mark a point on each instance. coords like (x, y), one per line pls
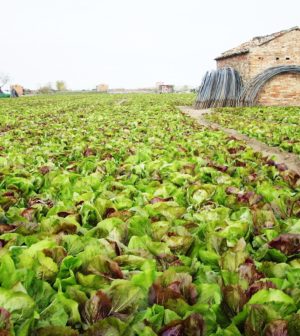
(255, 41)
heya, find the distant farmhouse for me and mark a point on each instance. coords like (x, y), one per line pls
(165, 88)
(102, 88)
(268, 68)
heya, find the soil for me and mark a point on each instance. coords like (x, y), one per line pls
(292, 161)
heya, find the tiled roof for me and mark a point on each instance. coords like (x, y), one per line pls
(256, 41)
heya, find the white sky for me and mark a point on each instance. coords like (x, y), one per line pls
(132, 43)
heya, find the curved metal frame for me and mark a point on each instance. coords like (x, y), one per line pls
(250, 91)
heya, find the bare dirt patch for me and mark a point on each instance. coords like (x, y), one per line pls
(292, 161)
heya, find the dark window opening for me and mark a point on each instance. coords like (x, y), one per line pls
(260, 58)
(287, 58)
(277, 58)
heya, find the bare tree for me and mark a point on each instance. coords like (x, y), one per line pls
(4, 79)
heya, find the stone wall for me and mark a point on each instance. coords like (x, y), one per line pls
(281, 90)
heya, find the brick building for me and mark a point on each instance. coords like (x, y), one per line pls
(261, 53)
(102, 88)
(165, 88)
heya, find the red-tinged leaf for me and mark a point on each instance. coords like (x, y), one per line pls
(191, 225)
(109, 211)
(107, 156)
(276, 328)
(8, 199)
(160, 295)
(56, 253)
(192, 294)
(295, 209)
(263, 219)
(281, 166)
(168, 260)
(72, 168)
(175, 286)
(4, 228)
(291, 177)
(193, 325)
(115, 270)
(256, 320)
(232, 150)
(234, 299)
(56, 331)
(124, 214)
(105, 267)
(249, 197)
(4, 322)
(249, 272)
(97, 308)
(252, 177)
(270, 163)
(64, 214)
(5, 332)
(182, 149)
(287, 243)
(159, 199)
(29, 214)
(66, 228)
(116, 246)
(181, 287)
(232, 190)
(172, 329)
(232, 137)
(239, 163)
(44, 170)
(220, 168)
(35, 201)
(9, 194)
(2, 243)
(257, 286)
(89, 152)
(189, 168)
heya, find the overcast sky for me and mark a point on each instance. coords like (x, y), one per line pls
(129, 43)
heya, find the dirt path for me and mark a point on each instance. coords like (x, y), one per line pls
(291, 160)
(121, 101)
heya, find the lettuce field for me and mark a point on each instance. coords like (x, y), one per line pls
(121, 216)
(276, 126)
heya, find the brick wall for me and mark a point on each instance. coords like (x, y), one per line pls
(239, 63)
(281, 90)
(283, 50)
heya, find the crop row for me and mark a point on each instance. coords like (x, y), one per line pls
(275, 126)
